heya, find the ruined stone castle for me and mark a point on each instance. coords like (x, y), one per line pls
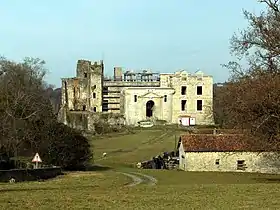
(135, 96)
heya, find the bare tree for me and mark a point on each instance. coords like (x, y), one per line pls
(251, 99)
(22, 101)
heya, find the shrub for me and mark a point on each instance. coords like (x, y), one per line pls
(67, 147)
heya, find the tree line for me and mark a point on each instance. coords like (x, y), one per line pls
(28, 121)
(250, 99)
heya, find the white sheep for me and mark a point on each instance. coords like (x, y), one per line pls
(139, 165)
(12, 180)
(104, 154)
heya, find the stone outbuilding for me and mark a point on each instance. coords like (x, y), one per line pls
(225, 153)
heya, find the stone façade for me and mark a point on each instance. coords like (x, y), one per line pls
(134, 96)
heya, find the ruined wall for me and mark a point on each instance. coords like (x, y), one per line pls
(78, 120)
(95, 122)
(112, 93)
(89, 92)
(111, 99)
(106, 122)
(118, 74)
(92, 73)
(76, 93)
(135, 111)
(191, 82)
(131, 84)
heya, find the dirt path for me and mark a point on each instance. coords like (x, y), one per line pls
(151, 180)
(138, 178)
(135, 179)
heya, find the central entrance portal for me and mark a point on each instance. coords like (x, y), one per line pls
(149, 108)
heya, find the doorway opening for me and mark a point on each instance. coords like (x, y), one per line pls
(149, 108)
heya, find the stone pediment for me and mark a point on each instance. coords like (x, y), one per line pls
(150, 95)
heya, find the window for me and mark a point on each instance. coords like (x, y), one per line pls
(135, 98)
(85, 75)
(217, 162)
(94, 109)
(165, 98)
(241, 165)
(105, 91)
(183, 105)
(183, 90)
(84, 107)
(94, 95)
(199, 90)
(94, 86)
(199, 105)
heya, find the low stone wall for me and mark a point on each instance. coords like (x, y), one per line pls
(217, 131)
(29, 174)
(106, 122)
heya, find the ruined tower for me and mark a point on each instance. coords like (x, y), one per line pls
(91, 75)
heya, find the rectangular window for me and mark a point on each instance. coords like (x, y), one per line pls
(241, 165)
(85, 75)
(199, 90)
(94, 86)
(183, 105)
(135, 98)
(199, 105)
(94, 95)
(84, 107)
(94, 109)
(165, 98)
(105, 106)
(183, 90)
(217, 162)
(105, 90)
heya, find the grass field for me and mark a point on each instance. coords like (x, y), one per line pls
(107, 188)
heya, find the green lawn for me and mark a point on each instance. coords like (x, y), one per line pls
(107, 189)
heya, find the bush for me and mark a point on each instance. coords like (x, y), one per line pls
(67, 147)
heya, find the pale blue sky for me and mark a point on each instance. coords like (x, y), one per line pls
(163, 35)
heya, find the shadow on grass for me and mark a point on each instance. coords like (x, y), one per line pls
(98, 168)
(267, 180)
(48, 188)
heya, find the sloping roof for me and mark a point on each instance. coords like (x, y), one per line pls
(215, 143)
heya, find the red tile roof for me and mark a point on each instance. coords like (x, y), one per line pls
(215, 143)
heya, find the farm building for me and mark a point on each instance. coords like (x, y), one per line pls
(227, 153)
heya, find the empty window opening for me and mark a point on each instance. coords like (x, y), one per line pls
(199, 105)
(165, 98)
(85, 75)
(241, 165)
(199, 90)
(94, 95)
(84, 107)
(94, 86)
(135, 98)
(94, 109)
(183, 90)
(217, 162)
(105, 90)
(183, 105)
(149, 108)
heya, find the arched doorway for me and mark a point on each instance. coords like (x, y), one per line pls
(149, 108)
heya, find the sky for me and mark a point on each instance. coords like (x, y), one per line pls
(161, 35)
